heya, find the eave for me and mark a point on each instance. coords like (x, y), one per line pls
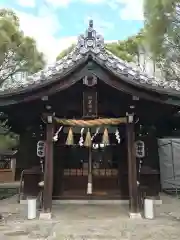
(88, 47)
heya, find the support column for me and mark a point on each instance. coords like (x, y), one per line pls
(89, 185)
(48, 171)
(134, 210)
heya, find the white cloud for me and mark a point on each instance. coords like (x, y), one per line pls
(58, 3)
(132, 9)
(46, 25)
(129, 9)
(27, 3)
(101, 26)
(94, 1)
(40, 28)
(62, 3)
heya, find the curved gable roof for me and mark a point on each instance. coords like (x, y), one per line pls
(90, 44)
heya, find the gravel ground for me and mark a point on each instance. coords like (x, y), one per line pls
(93, 222)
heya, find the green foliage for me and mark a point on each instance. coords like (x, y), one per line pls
(9, 14)
(65, 52)
(127, 50)
(8, 140)
(119, 50)
(157, 18)
(4, 128)
(18, 53)
(162, 34)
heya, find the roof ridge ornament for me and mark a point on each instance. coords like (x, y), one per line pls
(91, 23)
(91, 41)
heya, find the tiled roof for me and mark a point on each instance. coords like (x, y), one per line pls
(90, 43)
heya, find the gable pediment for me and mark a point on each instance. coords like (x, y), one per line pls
(90, 45)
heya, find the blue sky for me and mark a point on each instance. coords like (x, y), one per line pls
(55, 24)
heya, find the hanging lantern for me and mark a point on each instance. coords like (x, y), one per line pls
(41, 149)
(70, 138)
(88, 141)
(105, 137)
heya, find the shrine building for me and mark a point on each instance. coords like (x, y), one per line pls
(90, 124)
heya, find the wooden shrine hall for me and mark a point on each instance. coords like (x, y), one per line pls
(90, 123)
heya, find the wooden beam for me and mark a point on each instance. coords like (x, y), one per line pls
(48, 169)
(132, 171)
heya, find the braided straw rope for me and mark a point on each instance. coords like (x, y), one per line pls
(91, 123)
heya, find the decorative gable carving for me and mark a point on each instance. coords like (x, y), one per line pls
(90, 80)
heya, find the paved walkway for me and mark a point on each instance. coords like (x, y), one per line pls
(91, 222)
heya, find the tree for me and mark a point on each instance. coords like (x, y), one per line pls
(18, 53)
(128, 50)
(119, 49)
(8, 139)
(65, 51)
(162, 34)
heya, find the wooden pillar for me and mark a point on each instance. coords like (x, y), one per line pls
(48, 172)
(132, 171)
(89, 185)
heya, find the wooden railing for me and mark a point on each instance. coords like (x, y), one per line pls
(96, 172)
(5, 164)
